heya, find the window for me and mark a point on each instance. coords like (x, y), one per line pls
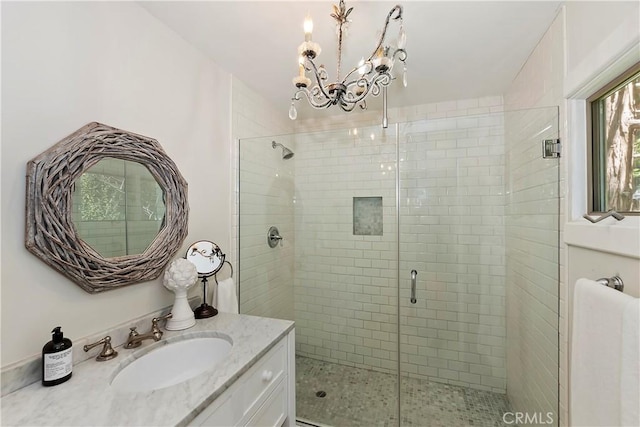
(615, 145)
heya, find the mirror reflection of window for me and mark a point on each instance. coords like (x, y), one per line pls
(118, 207)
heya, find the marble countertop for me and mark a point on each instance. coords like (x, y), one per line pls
(88, 399)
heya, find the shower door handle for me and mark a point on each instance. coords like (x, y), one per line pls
(414, 275)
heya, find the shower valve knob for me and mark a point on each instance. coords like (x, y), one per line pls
(273, 237)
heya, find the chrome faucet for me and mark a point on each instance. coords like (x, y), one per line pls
(135, 339)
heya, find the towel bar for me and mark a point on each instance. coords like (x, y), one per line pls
(215, 277)
(614, 282)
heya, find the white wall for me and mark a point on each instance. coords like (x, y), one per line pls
(266, 274)
(67, 64)
(588, 44)
(589, 24)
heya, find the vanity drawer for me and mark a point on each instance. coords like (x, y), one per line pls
(274, 411)
(221, 413)
(260, 397)
(263, 377)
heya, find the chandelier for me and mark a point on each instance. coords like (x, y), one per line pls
(370, 77)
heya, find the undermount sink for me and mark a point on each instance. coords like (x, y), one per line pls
(172, 363)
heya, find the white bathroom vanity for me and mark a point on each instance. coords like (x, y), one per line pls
(253, 385)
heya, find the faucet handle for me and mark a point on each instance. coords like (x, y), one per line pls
(107, 351)
(165, 317)
(155, 330)
(155, 320)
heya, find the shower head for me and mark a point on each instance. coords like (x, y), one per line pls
(286, 153)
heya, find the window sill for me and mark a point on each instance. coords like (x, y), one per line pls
(616, 237)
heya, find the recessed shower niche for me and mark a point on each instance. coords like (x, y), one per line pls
(367, 216)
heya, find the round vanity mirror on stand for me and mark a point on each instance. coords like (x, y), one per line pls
(208, 259)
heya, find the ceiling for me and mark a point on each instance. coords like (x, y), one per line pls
(456, 49)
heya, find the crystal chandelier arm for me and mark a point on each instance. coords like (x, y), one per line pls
(381, 80)
(350, 100)
(370, 86)
(348, 107)
(401, 54)
(368, 69)
(396, 8)
(312, 99)
(320, 76)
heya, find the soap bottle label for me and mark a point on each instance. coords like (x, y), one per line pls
(57, 365)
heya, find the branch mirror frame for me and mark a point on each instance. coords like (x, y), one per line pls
(50, 232)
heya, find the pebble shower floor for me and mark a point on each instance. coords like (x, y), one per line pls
(358, 397)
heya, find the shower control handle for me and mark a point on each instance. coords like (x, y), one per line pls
(414, 275)
(273, 237)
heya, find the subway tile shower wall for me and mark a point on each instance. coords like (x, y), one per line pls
(265, 275)
(266, 200)
(346, 284)
(451, 232)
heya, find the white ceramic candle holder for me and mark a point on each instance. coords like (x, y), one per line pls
(178, 278)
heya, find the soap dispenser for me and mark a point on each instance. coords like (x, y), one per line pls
(57, 359)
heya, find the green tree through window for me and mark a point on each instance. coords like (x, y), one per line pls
(616, 147)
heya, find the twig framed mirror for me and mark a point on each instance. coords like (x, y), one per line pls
(105, 207)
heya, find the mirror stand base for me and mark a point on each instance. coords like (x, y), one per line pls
(204, 311)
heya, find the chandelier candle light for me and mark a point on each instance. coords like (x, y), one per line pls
(370, 76)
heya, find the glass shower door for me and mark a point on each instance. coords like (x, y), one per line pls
(334, 272)
(474, 200)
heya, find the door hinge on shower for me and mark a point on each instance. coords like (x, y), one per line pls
(551, 148)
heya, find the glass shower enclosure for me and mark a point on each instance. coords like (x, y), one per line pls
(419, 263)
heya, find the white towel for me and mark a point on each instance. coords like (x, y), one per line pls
(630, 365)
(227, 299)
(596, 351)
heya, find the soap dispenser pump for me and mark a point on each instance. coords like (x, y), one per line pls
(57, 359)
